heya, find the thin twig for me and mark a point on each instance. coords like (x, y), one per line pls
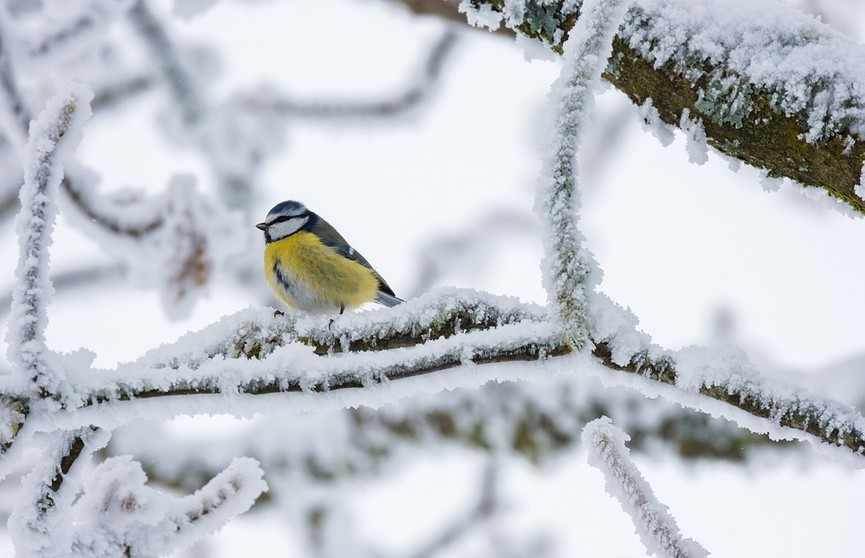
(483, 510)
(42, 177)
(83, 277)
(655, 526)
(569, 270)
(397, 104)
(112, 94)
(165, 54)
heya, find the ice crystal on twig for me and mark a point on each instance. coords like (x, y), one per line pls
(569, 270)
(655, 526)
(53, 134)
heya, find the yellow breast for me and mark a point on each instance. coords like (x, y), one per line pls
(306, 274)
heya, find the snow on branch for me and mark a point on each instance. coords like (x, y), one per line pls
(296, 368)
(109, 511)
(254, 353)
(53, 134)
(40, 520)
(773, 87)
(568, 267)
(655, 526)
(119, 515)
(731, 378)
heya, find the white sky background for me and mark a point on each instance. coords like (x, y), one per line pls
(679, 244)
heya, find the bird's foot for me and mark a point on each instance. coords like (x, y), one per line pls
(278, 313)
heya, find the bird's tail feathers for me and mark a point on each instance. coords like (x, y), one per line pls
(388, 299)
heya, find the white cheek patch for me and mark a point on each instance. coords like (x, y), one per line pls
(285, 228)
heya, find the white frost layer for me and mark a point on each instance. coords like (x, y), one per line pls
(655, 526)
(117, 514)
(699, 367)
(214, 360)
(41, 518)
(859, 189)
(737, 47)
(650, 120)
(569, 270)
(698, 150)
(686, 393)
(53, 134)
(482, 16)
(806, 66)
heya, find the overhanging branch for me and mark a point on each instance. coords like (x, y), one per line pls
(808, 128)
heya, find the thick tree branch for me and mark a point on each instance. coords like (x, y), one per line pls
(807, 128)
(398, 345)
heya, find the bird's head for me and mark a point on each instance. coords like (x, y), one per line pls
(284, 219)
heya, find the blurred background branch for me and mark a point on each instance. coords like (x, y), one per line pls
(178, 238)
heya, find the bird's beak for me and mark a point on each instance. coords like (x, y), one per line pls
(261, 226)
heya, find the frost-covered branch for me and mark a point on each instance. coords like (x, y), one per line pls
(51, 488)
(110, 511)
(784, 93)
(398, 103)
(256, 353)
(655, 526)
(54, 133)
(568, 267)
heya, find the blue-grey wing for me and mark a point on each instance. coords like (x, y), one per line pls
(329, 237)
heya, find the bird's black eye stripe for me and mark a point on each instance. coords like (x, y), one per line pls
(282, 218)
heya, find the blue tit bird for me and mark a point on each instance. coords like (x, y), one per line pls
(311, 267)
